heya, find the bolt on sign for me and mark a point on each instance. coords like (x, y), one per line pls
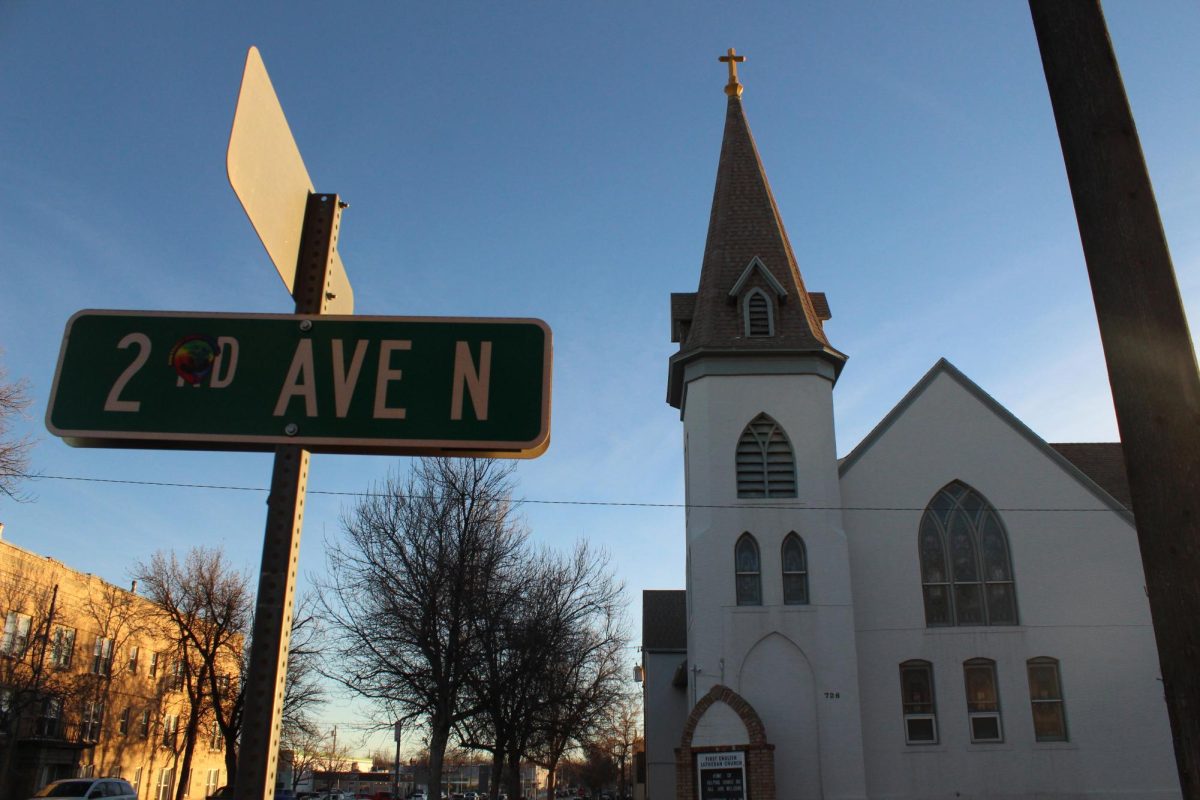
(377, 385)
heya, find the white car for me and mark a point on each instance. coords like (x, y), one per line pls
(89, 789)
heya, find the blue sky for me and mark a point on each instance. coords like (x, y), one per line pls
(556, 160)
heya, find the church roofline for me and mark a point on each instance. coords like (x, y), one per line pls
(944, 367)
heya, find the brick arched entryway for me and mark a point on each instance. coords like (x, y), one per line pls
(760, 754)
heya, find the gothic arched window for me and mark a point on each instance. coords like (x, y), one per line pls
(748, 571)
(757, 314)
(795, 571)
(966, 572)
(766, 466)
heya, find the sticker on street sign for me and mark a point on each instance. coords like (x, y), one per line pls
(333, 384)
(269, 178)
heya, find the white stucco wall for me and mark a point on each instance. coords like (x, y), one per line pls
(1080, 597)
(811, 713)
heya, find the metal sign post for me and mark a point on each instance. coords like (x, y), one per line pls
(265, 686)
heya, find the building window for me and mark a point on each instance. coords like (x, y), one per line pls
(212, 782)
(144, 724)
(1045, 695)
(152, 670)
(166, 777)
(48, 719)
(795, 571)
(916, 697)
(756, 310)
(89, 725)
(87, 771)
(102, 656)
(137, 781)
(62, 647)
(215, 739)
(748, 572)
(983, 701)
(765, 464)
(133, 659)
(170, 727)
(177, 674)
(966, 572)
(16, 634)
(123, 722)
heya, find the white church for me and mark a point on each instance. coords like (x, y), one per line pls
(955, 609)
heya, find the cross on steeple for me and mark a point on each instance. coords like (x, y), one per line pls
(732, 59)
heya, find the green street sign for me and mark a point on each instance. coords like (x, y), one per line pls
(332, 384)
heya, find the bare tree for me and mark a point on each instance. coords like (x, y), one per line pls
(31, 691)
(14, 450)
(205, 607)
(422, 558)
(583, 674)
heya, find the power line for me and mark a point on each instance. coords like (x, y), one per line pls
(529, 501)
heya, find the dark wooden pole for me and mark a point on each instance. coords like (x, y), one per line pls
(1151, 362)
(267, 678)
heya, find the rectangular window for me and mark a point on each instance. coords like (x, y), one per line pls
(62, 647)
(133, 659)
(144, 724)
(87, 771)
(123, 722)
(89, 725)
(153, 669)
(166, 777)
(1045, 695)
(215, 739)
(137, 781)
(177, 674)
(170, 726)
(916, 697)
(102, 656)
(48, 719)
(983, 701)
(213, 782)
(16, 634)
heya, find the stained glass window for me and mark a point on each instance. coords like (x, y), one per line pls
(966, 568)
(748, 572)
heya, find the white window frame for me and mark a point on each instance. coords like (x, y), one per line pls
(166, 779)
(90, 722)
(1056, 700)
(62, 649)
(102, 656)
(16, 634)
(974, 711)
(907, 704)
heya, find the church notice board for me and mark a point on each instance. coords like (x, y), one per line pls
(722, 776)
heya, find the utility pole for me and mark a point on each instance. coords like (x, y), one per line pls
(1147, 344)
(396, 778)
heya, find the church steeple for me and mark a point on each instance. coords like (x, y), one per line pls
(751, 298)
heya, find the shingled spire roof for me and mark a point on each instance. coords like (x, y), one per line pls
(747, 250)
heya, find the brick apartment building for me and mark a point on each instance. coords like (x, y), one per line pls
(90, 685)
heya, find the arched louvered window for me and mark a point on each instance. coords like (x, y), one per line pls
(748, 571)
(757, 310)
(766, 466)
(966, 572)
(795, 571)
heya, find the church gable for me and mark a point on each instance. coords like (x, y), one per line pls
(964, 406)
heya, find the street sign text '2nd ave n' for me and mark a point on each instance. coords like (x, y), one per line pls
(401, 385)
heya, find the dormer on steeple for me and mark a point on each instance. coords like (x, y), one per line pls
(751, 299)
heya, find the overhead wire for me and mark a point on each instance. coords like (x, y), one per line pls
(534, 501)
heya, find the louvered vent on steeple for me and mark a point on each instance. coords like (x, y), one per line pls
(758, 315)
(766, 466)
